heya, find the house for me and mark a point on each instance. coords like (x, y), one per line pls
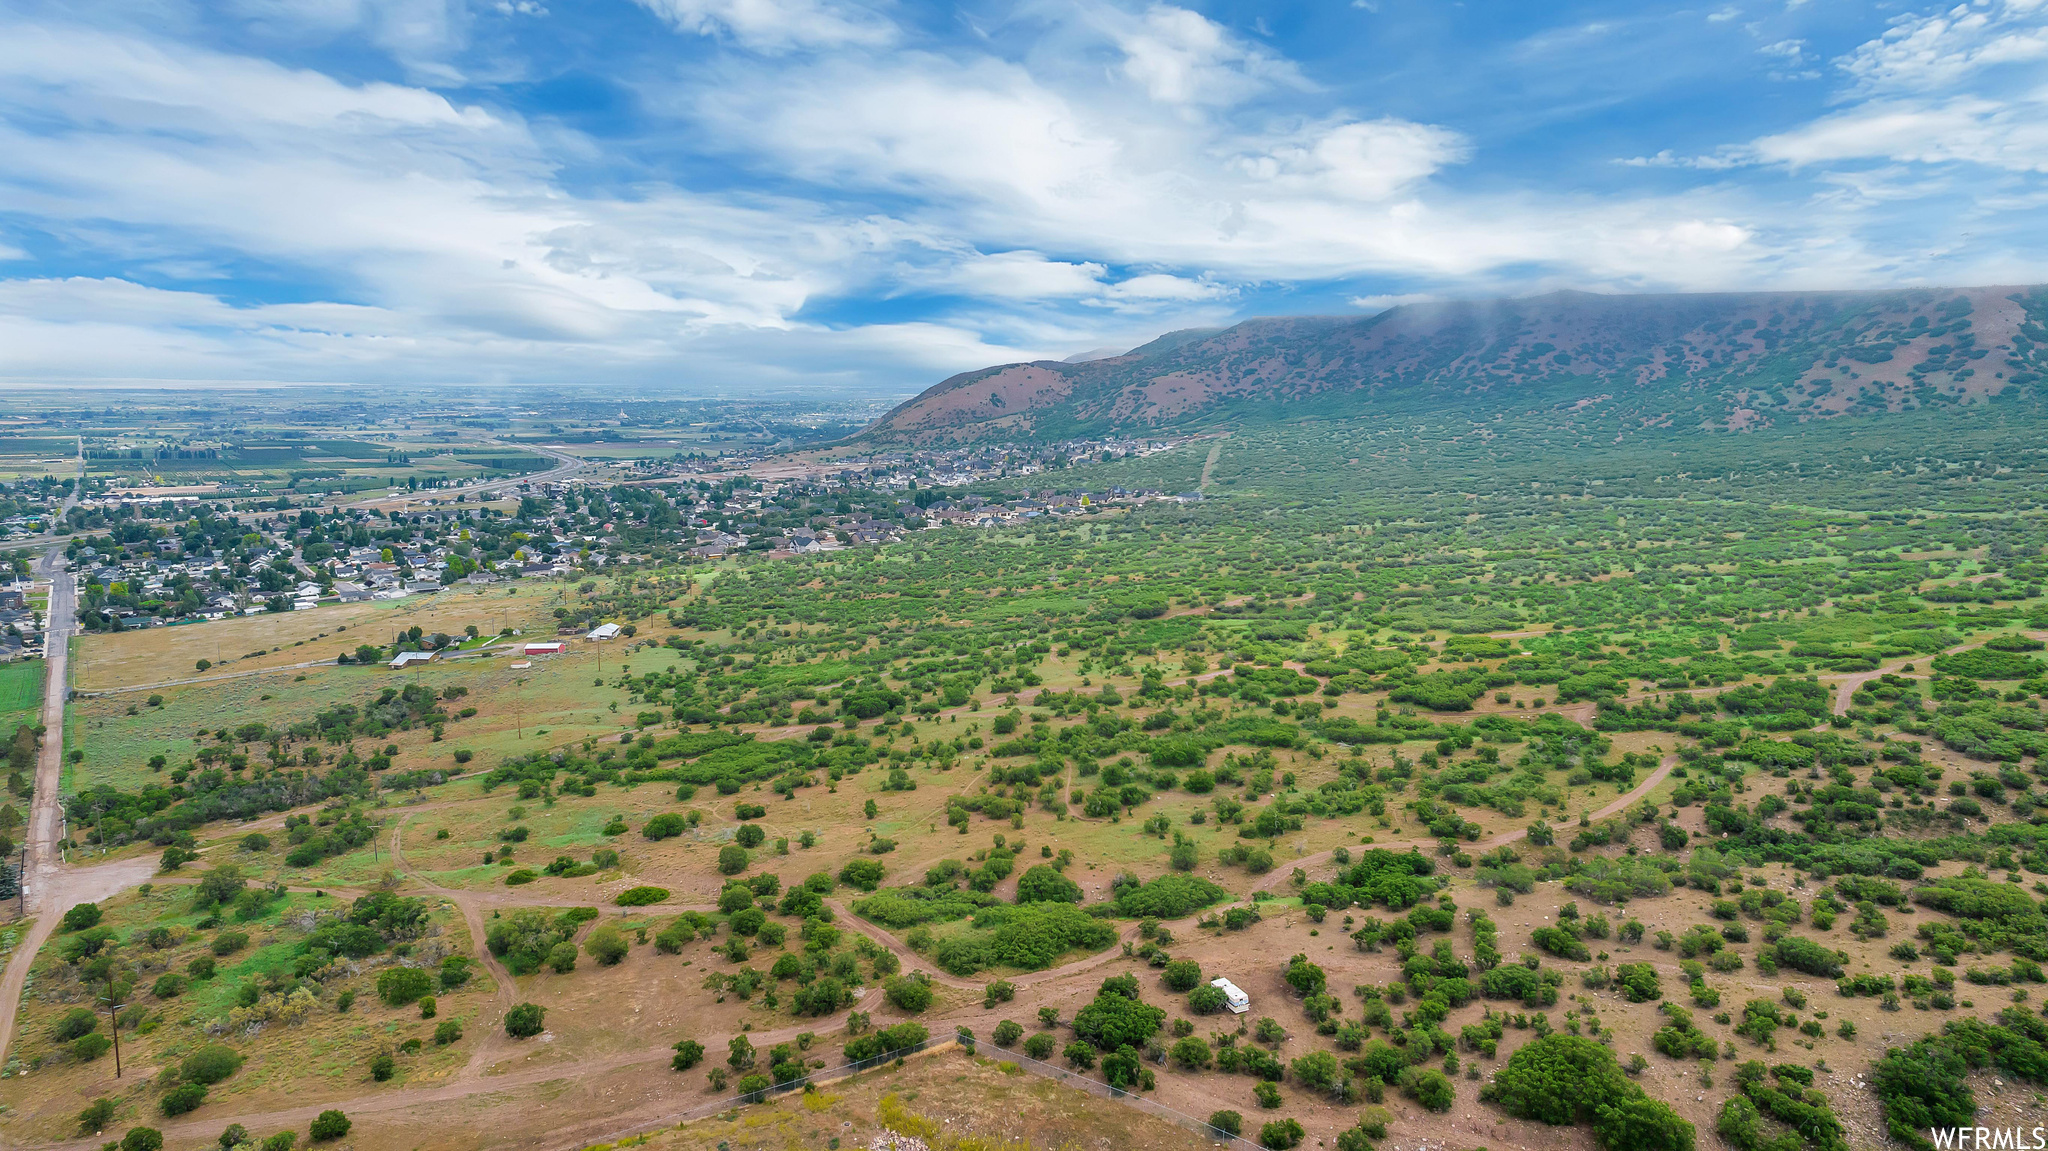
(407, 659)
(352, 593)
(551, 647)
(1236, 1000)
(603, 631)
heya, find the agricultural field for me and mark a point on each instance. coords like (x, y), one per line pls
(1605, 810)
(21, 694)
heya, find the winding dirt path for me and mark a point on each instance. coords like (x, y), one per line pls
(1621, 804)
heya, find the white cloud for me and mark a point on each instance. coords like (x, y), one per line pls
(1362, 161)
(777, 25)
(1934, 52)
(1377, 304)
(1998, 134)
(1723, 15)
(1182, 57)
(1026, 276)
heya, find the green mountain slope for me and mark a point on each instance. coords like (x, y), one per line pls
(1721, 362)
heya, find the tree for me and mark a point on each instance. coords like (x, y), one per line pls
(562, 957)
(142, 1139)
(524, 1021)
(822, 996)
(1079, 1055)
(1207, 1000)
(908, 993)
(732, 859)
(1306, 978)
(1182, 975)
(1269, 1031)
(402, 986)
(331, 1125)
(740, 1053)
(607, 945)
(1638, 982)
(1318, 1071)
(1120, 1067)
(81, 916)
(865, 874)
(689, 1053)
(1191, 1053)
(1007, 1033)
(1113, 1020)
(1563, 1079)
(1431, 1088)
(1281, 1134)
(1041, 883)
(1228, 1122)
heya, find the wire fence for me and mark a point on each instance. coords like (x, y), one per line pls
(964, 1040)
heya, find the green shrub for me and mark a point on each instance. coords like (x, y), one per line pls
(1228, 1122)
(87, 1048)
(332, 1124)
(908, 993)
(403, 986)
(1182, 975)
(96, 1116)
(1042, 883)
(1171, 896)
(641, 896)
(524, 1021)
(1281, 1134)
(142, 1139)
(74, 1023)
(182, 1098)
(1563, 1080)
(607, 945)
(211, 1064)
(81, 916)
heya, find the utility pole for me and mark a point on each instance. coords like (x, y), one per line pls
(114, 1021)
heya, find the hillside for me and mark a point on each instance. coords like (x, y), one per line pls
(1723, 362)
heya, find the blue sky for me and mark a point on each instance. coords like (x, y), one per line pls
(736, 195)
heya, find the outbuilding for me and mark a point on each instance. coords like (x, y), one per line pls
(552, 647)
(603, 631)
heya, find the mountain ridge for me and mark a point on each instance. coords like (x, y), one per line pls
(1720, 362)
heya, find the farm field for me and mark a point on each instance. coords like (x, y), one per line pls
(272, 640)
(21, 694)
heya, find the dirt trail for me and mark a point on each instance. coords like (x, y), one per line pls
(1635, 793)
(1209, 465)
